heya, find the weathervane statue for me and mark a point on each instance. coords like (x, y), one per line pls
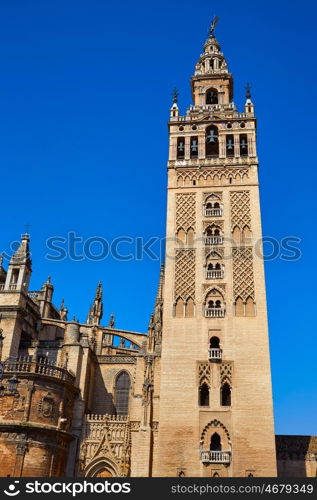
(213, 25)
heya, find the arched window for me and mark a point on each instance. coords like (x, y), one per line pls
(204, 395)
(121, 396)
(180, 148)
(214, 343)
(210, 267)
(211, 304)
(243, 145)
(211, 95)
(226, 395)
(218, 304)
(215, 442)
(212, 143)
(194, 147)
(230, 145)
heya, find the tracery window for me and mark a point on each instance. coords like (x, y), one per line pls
(121, 396)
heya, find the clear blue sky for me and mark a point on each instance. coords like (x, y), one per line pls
(85, 91)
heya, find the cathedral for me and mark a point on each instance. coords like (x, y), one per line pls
(192, 396)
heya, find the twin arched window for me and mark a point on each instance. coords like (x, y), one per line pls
(121, 393)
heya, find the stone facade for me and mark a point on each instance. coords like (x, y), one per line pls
(192, 396)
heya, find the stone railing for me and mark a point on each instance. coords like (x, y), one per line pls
(214, 273)
(215, 312)
(213, 212)
(215, 457)
(25, 365)
(215, 353)
(213, 161)
(94, 417)
(1, 286)
(213, 240)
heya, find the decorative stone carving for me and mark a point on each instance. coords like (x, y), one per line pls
(185, 274)
(213, 176)
(226, 373)
(204, 374)
(243, 277)
(240, 209)
(47, 406)
(185, 211)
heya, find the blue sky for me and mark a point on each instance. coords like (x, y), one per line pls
(85, 92)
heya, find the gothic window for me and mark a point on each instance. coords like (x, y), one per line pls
(204, 395)
(239, 307)
(180, 148)
(214, 343)
(249, 307)
(211, 95)
(15, 276)
(122, 389)
(212, 143)
(243, 145)
(194, 147)
(218, 303)
(190, 237)
(189, 308)
(226, 395)
(230, 145)
(215, 442)
(179, 308)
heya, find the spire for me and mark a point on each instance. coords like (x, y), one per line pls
(63, 311)
(249, 106)
(175, 95)
(20, 267)
(96, 309)
(159, 296)
(111, 323)
(22, 255)
(248, 91)
(174, 111)
(212, 61)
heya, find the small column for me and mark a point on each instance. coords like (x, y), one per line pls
(187, 148)
(237, 145)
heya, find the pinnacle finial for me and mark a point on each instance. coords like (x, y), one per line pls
(175, 95)
(111, 321)
(248, 91)
(213, 25)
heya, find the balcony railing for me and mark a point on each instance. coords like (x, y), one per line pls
(215, 457)
(213, 212)
(214, 240)
(214, 274)
(215, 312)
(13, 286)
(2, 286)
(215, 354)
(25, 365)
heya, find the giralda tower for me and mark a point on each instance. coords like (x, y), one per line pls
(216, 412)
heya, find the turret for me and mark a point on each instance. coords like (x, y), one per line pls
(20, 267)
(249, 106)
(46, 297)
(95, 311)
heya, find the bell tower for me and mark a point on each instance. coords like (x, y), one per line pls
(216, 413)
